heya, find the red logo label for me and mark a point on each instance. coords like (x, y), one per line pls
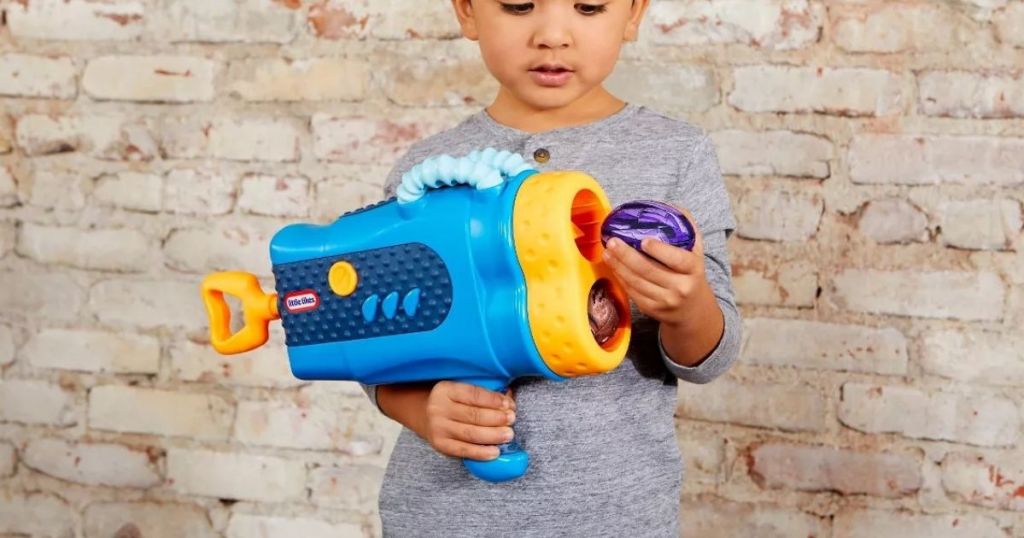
(300, 301)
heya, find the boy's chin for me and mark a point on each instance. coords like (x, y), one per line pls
(549, 98)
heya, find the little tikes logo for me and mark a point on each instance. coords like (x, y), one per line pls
(301, 301)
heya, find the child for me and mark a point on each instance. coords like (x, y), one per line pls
(604, 458)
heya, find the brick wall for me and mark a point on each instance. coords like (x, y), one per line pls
(875, 154)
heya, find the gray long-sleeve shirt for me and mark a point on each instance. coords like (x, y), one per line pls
(603, 451)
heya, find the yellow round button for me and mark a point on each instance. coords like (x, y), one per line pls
(343, 278)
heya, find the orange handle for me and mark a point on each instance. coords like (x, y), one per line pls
(258, 308)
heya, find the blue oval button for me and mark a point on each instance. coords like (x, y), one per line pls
(370, 308)
(411, 301)
(390, 307)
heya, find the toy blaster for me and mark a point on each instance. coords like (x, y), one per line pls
(480, 270)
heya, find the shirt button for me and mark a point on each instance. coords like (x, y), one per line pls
(541, 155)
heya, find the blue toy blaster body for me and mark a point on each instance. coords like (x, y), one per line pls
(479, 282)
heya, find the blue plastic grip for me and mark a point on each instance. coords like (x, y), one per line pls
(512, 462)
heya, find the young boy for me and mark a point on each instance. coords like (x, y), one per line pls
(604, 458)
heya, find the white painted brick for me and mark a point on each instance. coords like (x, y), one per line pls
(770, 24)
(60, 190)
(24, 75)
(93, 351)
(36, 514)
(160, 412)
(148, 304)
(942, 416)
(787, 408)
(848, 91)
(893, 220)
(76, 20)
(174, 79)
(222, 21)
(7, 237)
(223, 246)
(200, 192)
(930, 160)
(360, 140)
(44, 135)
(820, 468)
(436, 80)
(1009, 25)
(971, 95)
(266, 366)
(351, 487)
(151, 519)
(716, 518)
(36, 402)
(236, 476)
(97, 464)
(694, 89)
(247, 525)
(991, 481)
(773, 153)
(8, 188)
(793, 284)
(8, 459)
(275, 196)
(928, 294)
(6, 345)
(122, 250)
(6, 134)
(355, 430)
(308, 79)
(974, 356)
(704, 457)
(779, 215)
(334, 198)
(49, 296)
(254, 139)
(897, 27)
(857, 523)
(992, 224)
(104, 137)
(130, 190)
(826, 346)
(181, 137)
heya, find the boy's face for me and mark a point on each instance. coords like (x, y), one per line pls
(549, 53)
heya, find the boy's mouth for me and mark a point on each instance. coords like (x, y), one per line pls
(551, 75)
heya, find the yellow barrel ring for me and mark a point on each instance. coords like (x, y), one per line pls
(557, 229)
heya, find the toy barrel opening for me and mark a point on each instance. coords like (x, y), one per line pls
(557, 228)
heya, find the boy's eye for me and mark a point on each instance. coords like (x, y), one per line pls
(517, 9)
(523, 9)
(590, 9)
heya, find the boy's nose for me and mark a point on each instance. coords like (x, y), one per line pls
(552, 35)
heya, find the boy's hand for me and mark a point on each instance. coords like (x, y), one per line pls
(665, 291)
(466, 421)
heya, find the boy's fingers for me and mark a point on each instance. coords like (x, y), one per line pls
(459, 449)
(636, 286)
(678, 259)
(481, 416)
(638, 263)
(478, 435)
(475, 396)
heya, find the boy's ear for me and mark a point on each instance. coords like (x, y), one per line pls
(467, 20)
(636, 16)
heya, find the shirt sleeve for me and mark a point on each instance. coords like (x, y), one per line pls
(700, 189)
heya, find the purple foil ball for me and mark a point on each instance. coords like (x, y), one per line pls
(633, 221)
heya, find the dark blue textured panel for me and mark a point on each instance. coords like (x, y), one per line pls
(398, 269)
